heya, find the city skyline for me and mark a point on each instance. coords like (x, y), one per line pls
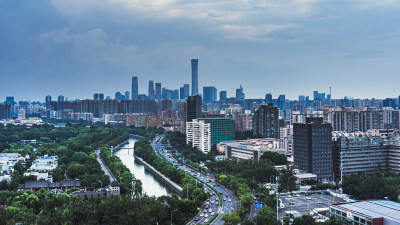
(72, 48)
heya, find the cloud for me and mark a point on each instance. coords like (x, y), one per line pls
(253, 32)
(90, 47)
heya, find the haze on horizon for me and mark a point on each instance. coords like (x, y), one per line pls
(76, 48)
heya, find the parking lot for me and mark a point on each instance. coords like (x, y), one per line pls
(304, 203)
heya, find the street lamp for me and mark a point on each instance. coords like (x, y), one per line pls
(171, 215)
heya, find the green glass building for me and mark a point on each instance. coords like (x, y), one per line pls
(222, 129)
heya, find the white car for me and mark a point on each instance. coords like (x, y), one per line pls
(229, 200)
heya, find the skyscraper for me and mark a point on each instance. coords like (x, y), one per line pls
(60, 98)
(312, 144)
(209, 94)
(135, 87)
(10, 100)
(158, 91)
(240, 94)
(181, 93)
(152, 92)
(48, 98)
(186, 90)
(193, 108)
(101, 96)
(127, 95)
(268, 98)
(195, 76)
(281, 101)
(266, 121)
(222, 95)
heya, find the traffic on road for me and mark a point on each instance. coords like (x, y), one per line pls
(211, 206)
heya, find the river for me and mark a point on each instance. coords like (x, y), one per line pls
(152, 185)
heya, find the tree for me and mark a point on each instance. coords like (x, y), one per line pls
(287, 179)
(138, 188)
(232, 218)
(266, 216)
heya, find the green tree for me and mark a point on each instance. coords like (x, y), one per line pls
(266, 216)
(232, 218)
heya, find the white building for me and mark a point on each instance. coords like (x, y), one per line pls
(250, 149)
(199, 134)
(45, 163)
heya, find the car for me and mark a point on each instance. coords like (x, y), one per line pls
(319, 202)
(209, 210)
(226, 195)
(206, 215)
(291, 203)
(224, 199)
(206, 220)
(206, 207)
(202, 215)
(308, 198)
(212, 214)
(229, 200)
(197, 219)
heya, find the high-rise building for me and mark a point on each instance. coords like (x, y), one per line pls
(152, 92)
(101, 96)
(95, 96)
(193, 108)
(21, 113)
(302, 98)
(48, 98)
(5, 111)
(119, 96)
(60, 98)
(195, 76)
(209, 94)
(222, 129)
(312, 147)
(266, 121)
(126, 94)
(222, 95)
(158, 91)
(135, 87)
(198, 134)
(181, 93)
(268, 98)
(186, 90)
(175, 94)
(281, 101)
(240, 94)
(316, 95)
(10, 100)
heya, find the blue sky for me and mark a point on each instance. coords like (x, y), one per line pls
(76, 48)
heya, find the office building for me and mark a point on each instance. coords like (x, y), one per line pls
(152, 92)
(195, 76)
(60, 98)
(268, 98)
(126, 94)
(135, 88)
(10, 100)
(158, 91)
(356, 119)
(266, 121)
(48, 99)
(101, 96)
(119, 96)
(209, 94)
(379, 212)
(222, 129)
(312, 147)
(186, 91)
(175, 94)
(250, 149)
(281, 101)
(193, 108)
(95, 96)
(222, 95)
(181, 93)
(198, 134)
(5, 111)
(240, 94)
(302, 98)
(21, 113)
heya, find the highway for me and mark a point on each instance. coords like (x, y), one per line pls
(211, 206)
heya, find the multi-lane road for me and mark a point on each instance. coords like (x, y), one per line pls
(211, 206)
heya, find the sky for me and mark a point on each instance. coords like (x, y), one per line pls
(76, 48)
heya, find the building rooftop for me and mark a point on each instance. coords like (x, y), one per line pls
(389, 210)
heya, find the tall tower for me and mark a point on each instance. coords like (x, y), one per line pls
(195, 76)
(158, 91)
(135, 87)
(152, 92)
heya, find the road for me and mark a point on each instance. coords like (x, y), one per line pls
(253, 210)
(104, 166)
(211, 206)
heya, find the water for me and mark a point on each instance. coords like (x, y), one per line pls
(151, 184)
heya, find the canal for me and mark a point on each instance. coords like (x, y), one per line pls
(152, 185)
